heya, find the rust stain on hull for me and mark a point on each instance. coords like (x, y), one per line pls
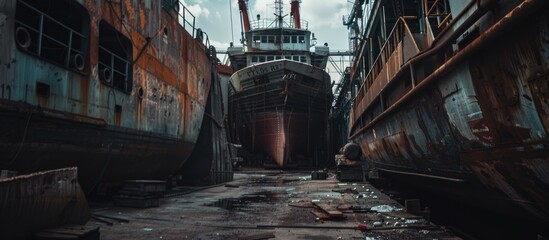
(80, 118)
(32, 202)
(479, 114)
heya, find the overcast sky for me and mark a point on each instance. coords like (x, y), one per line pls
(324, 17)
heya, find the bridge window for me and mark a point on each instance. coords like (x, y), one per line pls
(54, 30)
(115, 58)
(286, 39)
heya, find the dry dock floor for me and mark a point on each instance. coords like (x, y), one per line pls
(272, 204)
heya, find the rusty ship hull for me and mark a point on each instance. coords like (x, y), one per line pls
(279, 94)
(286, 134)
(115, 89)
(468, 105)
(32, 202)
(282, 118)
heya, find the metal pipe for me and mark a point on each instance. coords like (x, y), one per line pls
(514, 16)
(295, 13)
(244, 14)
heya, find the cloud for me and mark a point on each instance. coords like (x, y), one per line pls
(318, 13)
(323, 13)
(219, 45)
(197, 8)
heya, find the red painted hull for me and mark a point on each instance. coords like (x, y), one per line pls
(285, 136)
(282, 120)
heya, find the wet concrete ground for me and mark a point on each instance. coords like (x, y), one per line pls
(271, 204)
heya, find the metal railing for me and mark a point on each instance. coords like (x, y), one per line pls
(396, 42)
(272, 23)
(43, 35)
(185, 18)
(118, 68)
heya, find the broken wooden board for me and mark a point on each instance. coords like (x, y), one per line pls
(328, 209)
(256, 236)
(302, 204)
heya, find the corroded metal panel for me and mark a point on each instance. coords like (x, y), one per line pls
(171, 77)
(279, 111)
(477, 109)
(32, 202)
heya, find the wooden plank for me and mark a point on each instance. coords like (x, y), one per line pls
(328, 209)
(320, 214)
(301, 204)
(257, 236)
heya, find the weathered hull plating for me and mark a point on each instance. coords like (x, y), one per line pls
(480, 115)
(32, 202)
(56, 114)
(285, 119)
(286, 136)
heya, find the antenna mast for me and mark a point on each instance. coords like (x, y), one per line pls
(278, 9)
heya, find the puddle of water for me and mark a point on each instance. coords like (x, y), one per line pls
(410, 221)
(242, 203)
(382, 208)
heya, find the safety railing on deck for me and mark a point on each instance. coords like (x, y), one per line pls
(55, 40)
(399, 47)
(185, 18)
(272, 23)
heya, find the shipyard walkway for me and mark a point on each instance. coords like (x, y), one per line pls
(271, 204)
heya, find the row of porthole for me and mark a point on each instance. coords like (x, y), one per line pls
(23, 40)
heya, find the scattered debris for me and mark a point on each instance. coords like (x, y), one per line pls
(319, 175)
(382, 208)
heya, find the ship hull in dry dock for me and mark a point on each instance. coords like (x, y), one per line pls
(36, 139)
(280, 114)
(288, 137)
(479, 116)
(119, 99)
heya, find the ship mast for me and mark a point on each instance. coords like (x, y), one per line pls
(278, 9)
(295, 13)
